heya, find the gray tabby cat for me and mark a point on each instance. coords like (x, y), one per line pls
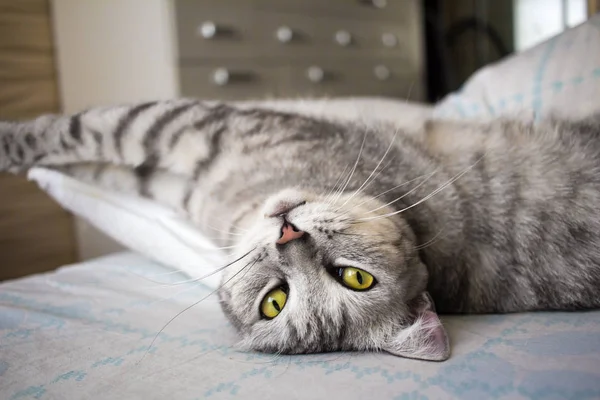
(339, 232)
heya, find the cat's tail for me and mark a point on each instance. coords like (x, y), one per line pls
(175, 135)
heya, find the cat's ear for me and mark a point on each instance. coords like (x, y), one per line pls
(425, 338)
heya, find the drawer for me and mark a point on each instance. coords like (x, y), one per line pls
(398, 11)
(247, 33)
(393, 78)
(232, 81)
(321, 77)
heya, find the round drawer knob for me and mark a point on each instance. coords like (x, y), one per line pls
(315, 74)
(221, 76)
(389, 40)
(208, 30)
(381, 72)
(284, 34)
(343, 38)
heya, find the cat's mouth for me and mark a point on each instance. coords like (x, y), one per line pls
(283, 203)
(283, 207)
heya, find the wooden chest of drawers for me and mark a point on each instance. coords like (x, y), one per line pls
(230, 49)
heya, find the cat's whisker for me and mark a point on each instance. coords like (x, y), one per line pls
(185, 361)
(270, 359)
(438, 190)
(333, 190)
(222, 231)
(150, 279)
(376, 175)
(172, 296)
(372, 173)
(246, 267)
(228, 247)
(191, 246)
(337, 190)
(430, 241)
(356, 234)
(362, 146)
(216, 248)
(366, 186)
(287, 366)
(389, 190)
(239, 228)
(382, 194)
(404, 195)
(227, 222)
(176, 271)
(159, 284)
(410, 88)
(200, 278)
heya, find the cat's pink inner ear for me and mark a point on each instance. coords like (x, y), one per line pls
(425, 339)
(439, 344)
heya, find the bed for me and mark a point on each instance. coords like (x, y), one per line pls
(89, 331)
(133, 326)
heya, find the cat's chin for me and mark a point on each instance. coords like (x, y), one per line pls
(286, 200)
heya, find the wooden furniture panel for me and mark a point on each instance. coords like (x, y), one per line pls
(398, 11)
(25, 66)
(374, 10)
(385, 77)
(254, 34)
(26, 32)
(36, 235)
(389, 77)
(362, 47)
(21, 99)
(27, 7)
(246, 78)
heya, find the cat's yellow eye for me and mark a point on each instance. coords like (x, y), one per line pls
(356, 278)
(273, 303)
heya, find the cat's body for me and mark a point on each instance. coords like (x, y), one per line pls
(505, 216)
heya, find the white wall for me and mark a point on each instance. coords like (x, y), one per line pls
(112, 51)
(539, 20)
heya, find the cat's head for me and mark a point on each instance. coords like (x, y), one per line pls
(328, 273)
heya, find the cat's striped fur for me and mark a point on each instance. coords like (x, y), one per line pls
(497, 217)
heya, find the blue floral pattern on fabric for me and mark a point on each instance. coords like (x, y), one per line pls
(95, 331)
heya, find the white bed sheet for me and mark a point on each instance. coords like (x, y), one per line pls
(87, 332)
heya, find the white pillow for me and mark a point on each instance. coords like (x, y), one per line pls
(560, 76)
(138, 224)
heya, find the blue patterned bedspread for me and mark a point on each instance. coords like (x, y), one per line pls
(90, 331)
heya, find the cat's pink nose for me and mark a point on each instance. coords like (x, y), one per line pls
(288, 233)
